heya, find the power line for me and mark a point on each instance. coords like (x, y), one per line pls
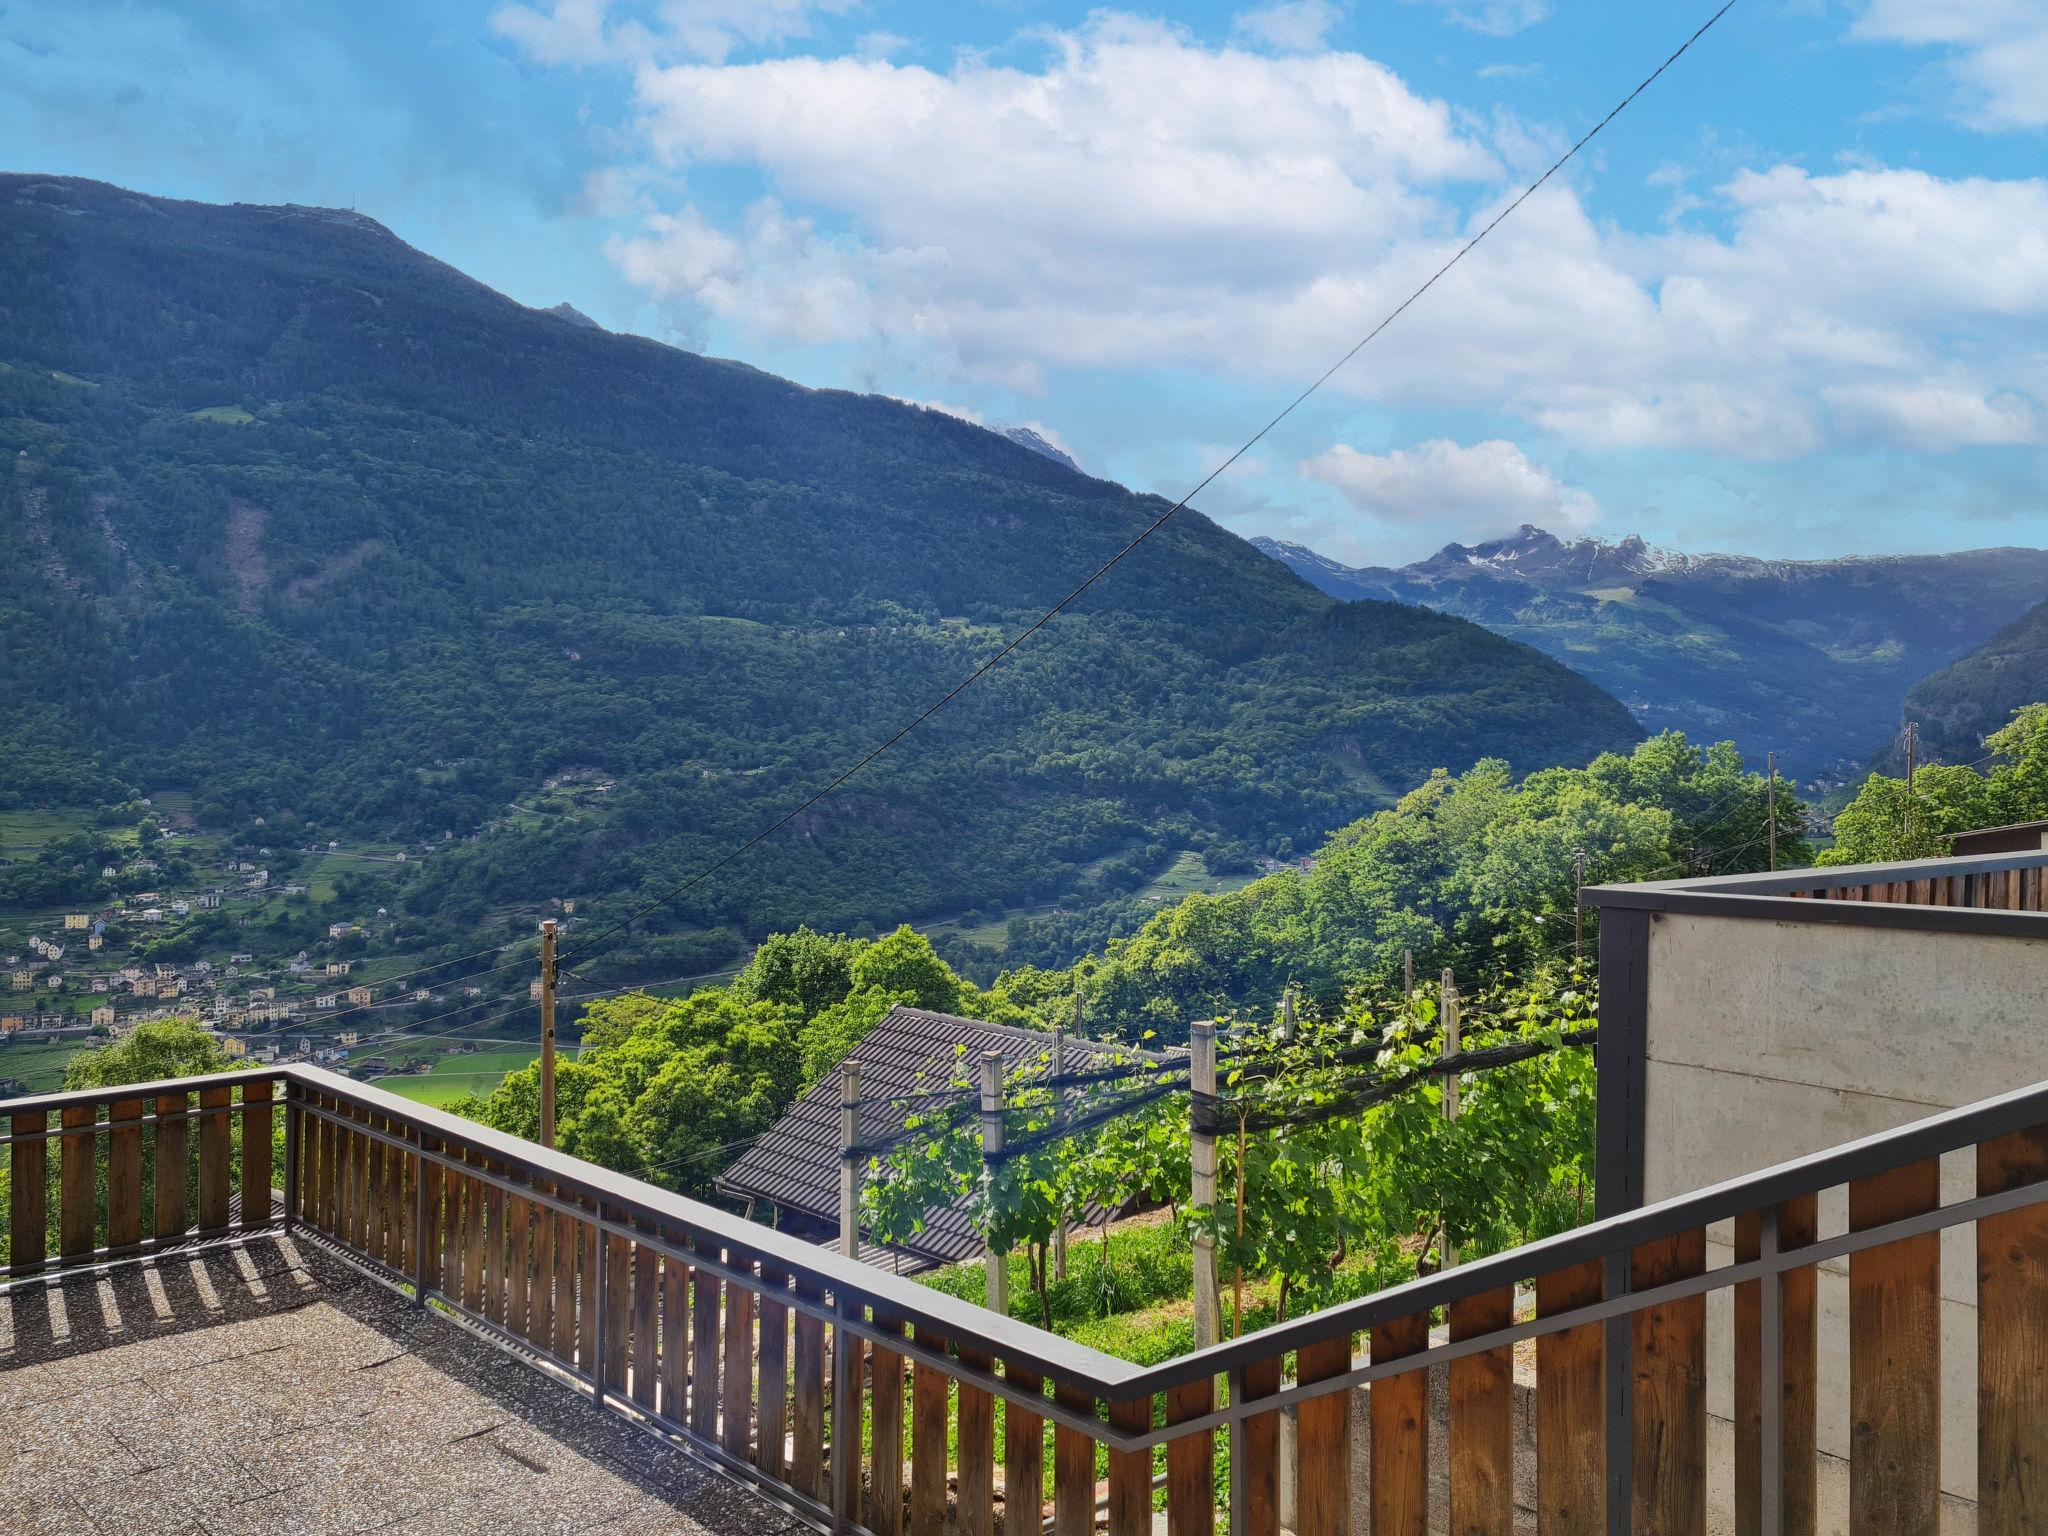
(1159, 522)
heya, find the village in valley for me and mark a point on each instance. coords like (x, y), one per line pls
(283, 954)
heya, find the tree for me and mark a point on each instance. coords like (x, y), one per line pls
(1890, 820)
(161, 1048)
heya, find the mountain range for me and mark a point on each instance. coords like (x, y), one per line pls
(335, 540)
(1813, 659)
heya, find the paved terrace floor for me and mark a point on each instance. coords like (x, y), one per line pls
(272, 1388)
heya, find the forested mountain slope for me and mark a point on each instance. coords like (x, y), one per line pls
(1810, 658)
(325, 533)
(1970, 698)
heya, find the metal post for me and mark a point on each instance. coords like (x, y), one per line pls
(547, 1032)
(1771, 805)
(1202, 1155)
(849, 1168)
(1579, 906)
(1771, 1464)
(995, 1266)
(1059, 1100)
(1448, 1016)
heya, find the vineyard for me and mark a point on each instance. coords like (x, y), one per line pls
(1343, 1163)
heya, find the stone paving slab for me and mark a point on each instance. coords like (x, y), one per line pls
(273, 1388)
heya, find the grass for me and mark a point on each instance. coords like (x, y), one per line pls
(26, 831)
(1185, 876)
(40, 1063)
(452, 1077)
(224, 415)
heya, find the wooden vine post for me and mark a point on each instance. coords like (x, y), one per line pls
(849, 1165)
(1448, 1014)
(1202, 1155)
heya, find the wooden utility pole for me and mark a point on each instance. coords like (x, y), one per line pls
(1579, 905)
(547, 1032)
(1448, 1013)
(849, 1165)
(1202, 1154)
(995, 1266)
(1771, 805)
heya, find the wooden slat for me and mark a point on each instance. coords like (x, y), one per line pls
(1073, 1470)
(346, 1156)
(495, 1251)
(736, 1379)
(1799, 1402)
(77, 1192)
(124, 1173)
(848, 1363)
(28, 1194)
(1190, 1463)
(1261, 1473)
(589, 1240)
(1482, 1452)
(772, 1432)
(171, 1214)
(216, 1150)
(563, 1343)
(928, 1414)
(1571, 1409)
(257, 1154)
(1670, 1346)
(328, 1204)
(2012, 1343)
(376, 1229)
(1895, 1360)
(1399, 1432)
(885, 1430)
(472, 1240)
(1023, 1458)
(618, 1304)
(1130, 1473)
(540, 1290)
(976, 1468)
(704, 1315)
(1322, 1442)
(646, 1325)
(427, 1258)
(309, 1166)
(807, 1433)
(675, 1338)
(518, 1264)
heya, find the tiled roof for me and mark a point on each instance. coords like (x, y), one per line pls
(796, 1164)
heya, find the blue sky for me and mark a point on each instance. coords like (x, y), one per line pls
(1794, 302)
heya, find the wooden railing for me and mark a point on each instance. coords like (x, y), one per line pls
(866, 1402)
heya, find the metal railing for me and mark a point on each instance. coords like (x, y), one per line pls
(788, 1364)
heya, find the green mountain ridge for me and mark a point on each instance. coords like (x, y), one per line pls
(337, 540)
(1976, 694)
(1809, 658)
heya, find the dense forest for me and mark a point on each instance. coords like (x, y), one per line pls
(343, 544)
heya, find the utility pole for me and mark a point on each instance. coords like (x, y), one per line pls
(1579, 905)
(1202, 1155)
(995, 1266)
(1771, 805)
(1912, 793)
(1449, 1014)
(547, 1032)
(849, 1167)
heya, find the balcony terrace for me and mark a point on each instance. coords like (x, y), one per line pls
(439, 1327)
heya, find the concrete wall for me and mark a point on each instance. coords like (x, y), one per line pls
(1768, 1041)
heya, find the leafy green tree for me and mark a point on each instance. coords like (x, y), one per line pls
(161, 1048)
(904, 965)
(1890, 820)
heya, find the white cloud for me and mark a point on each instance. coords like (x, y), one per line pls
(1488, 487)
(1998, 63)
(1293, 26)
(1494, 18)
(581, 32)
(1139, 200)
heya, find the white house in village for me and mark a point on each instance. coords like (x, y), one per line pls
(207, 902)
(337, 967)
(152, 914)
(181, 909)
(103, 1016)
(76, 922)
